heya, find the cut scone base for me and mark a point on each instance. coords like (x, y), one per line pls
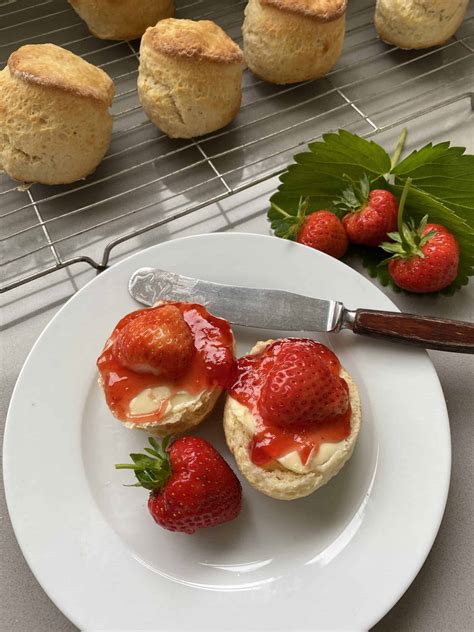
(277, 481)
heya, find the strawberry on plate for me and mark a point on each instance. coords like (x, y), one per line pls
(190, 484)
(425, 259)
(156, 341)
(370, 215)
(322, 230)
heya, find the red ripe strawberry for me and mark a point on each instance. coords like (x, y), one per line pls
(301, 389)
(372, 214)
(157, 340)
(424, 259)
(191, 485)
(323, 231)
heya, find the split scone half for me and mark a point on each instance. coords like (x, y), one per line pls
(163, 368)
(291, 461)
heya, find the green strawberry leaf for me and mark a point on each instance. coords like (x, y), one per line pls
(446, 173)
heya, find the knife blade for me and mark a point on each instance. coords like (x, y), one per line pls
(250, 307)
(287, 311)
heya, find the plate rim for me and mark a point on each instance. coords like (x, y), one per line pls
(217, 235)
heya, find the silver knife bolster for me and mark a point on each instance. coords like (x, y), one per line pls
(347, 319)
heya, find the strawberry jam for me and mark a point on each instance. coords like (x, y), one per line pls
(212, 364)
(296, 396)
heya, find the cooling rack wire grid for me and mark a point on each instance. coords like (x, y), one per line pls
(147, 180)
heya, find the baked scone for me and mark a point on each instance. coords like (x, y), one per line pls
(121, 19)
(55, 125)
(163, 368)
(190, 75)
(413, 24)
(286, 41)
(277, 419)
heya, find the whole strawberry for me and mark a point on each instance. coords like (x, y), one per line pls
(323, 231)
(425, 259)
(370, 214)
(191, 486)
(302, 389)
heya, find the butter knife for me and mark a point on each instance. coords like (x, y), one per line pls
(287, 311)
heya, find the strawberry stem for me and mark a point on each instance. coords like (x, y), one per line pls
(399, 148)
(280, 210)
(401, 208)
(302, 208)
(354, 197)
(152, 471)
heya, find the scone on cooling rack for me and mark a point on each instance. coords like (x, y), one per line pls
(190, 75)
(413, 24)
(163, 368)
(55, 125)
(121, 19)
(286, 41)
(292, 417)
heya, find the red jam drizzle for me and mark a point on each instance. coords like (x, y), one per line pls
(271, 442)
(213, 364)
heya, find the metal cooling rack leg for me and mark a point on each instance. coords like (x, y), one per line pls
(52, 247)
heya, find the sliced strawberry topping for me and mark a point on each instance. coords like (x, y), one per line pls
(301, 390)
(159, 341)
(296, 397)
(177, 345)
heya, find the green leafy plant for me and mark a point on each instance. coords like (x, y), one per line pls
(442, 187)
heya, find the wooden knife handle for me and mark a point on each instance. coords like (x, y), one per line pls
(423, 331)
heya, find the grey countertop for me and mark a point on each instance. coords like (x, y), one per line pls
(439, 599)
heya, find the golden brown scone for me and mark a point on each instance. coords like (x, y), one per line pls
(286, 41)
(277, 481)
(121, 19)
(189, 81)
(55, 126)
(413, 24)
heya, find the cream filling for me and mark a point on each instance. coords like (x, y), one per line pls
(150, 400)
(292, 460)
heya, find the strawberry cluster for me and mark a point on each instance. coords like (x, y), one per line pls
(424, 258)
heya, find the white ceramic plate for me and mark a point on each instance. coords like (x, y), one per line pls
(338, 559)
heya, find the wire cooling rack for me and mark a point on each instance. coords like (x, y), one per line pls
(148, 180)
